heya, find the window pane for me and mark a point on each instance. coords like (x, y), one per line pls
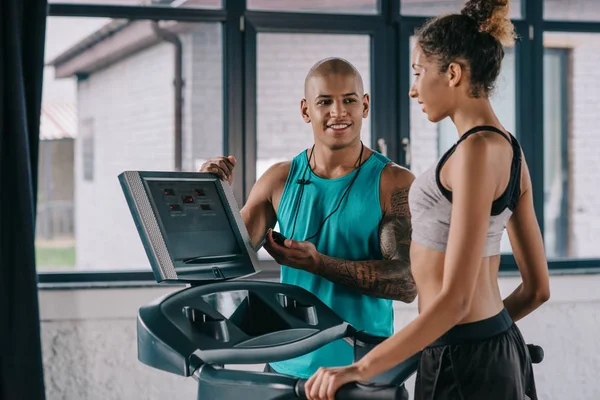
(571, 166)
(211, 4)
(283, 60)
(108, 106)
(572, 10)
(436, 7)
(317, 6)
(430, 141)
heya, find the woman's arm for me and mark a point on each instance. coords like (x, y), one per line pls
(528, 249)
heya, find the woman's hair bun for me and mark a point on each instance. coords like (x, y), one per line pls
(492, 17)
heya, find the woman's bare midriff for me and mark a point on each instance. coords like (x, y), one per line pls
(428, 270)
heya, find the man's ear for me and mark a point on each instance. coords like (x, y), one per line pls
(304, 110)
(366, 100)
(455, 74)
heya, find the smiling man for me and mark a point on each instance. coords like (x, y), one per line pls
(343, 208)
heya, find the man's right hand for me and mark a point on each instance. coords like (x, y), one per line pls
(220, 166)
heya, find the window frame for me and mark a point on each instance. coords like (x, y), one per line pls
(232, 106)
(390, 32)
(563, 55)
(533, 66)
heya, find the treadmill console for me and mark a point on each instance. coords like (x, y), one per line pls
(193, 232)
(190, 226)
(237, 322)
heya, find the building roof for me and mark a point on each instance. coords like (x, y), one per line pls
(115, 41)
(89, 41)
(58, 120)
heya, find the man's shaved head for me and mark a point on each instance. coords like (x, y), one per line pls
(333, 66)
(334, 103)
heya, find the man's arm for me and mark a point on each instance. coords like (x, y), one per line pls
(259, 213)
(390, 278)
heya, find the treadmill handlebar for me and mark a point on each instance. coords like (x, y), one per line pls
(359, 391)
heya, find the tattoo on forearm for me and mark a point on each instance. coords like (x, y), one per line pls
(389, 278)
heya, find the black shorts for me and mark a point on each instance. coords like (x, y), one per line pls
(486, 359)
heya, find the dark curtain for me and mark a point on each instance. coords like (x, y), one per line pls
(22, 37)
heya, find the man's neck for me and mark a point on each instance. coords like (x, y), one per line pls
(334, 163)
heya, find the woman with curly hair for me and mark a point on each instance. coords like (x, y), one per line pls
(466, 333)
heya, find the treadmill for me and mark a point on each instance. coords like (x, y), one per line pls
(193, 233)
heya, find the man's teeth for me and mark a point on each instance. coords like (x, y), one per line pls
(339, 126)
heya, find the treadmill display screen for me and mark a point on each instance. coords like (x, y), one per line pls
(194, 221)
(190, 225)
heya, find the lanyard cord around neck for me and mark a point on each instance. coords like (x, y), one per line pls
(303, 182)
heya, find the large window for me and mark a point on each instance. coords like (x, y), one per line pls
(166, 84)
(571, 163)
(110, 105)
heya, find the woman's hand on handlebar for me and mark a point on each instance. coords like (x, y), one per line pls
(326, 381)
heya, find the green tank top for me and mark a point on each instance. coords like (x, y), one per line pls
(351, 233)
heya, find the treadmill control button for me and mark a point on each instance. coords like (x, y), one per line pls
(218, 273)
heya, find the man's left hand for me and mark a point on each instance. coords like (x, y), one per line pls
(294, 254)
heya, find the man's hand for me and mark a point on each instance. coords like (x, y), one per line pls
(220, 166)
(299, 255)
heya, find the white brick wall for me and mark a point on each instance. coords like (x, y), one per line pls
(584, 179)
(572, 10)
(203, 98)
(131, 103)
